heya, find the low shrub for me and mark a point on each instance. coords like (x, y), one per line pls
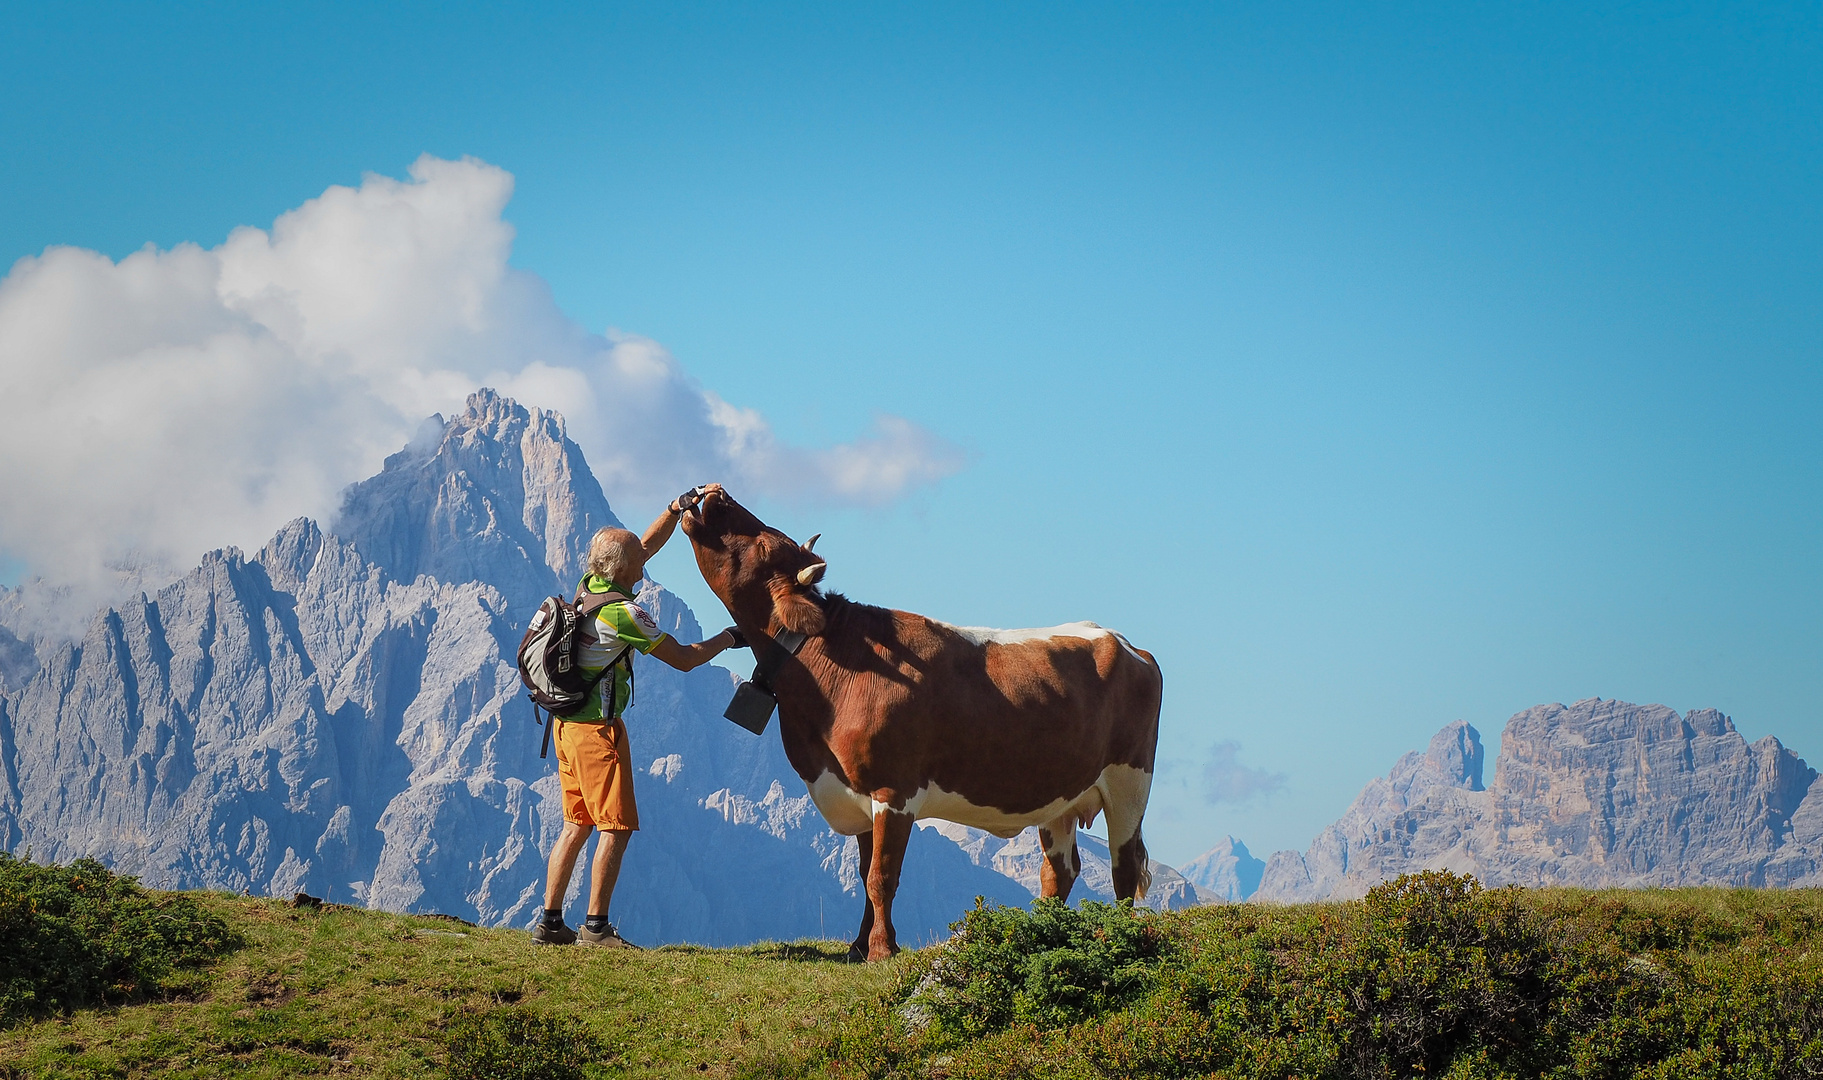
(1049, 967)
(80, 935)
(1432, 970)
(517, 1042)
(1429, 975)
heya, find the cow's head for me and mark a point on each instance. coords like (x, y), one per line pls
(764, 577)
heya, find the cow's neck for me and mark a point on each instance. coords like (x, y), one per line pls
(752, 611)
(807, 691)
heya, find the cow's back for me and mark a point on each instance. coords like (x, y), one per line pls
(1011, 719)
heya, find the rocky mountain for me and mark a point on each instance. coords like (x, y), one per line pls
(338, 713)
(1022, 859)
(1596, 794)
(1227, 871)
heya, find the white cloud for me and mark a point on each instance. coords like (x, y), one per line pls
(1226, 780)
(179, 400)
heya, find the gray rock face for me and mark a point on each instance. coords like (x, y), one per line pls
(339, 713)
(27, 634)
(18, 660)
(1595, 794)
(1227, 871)
(1022, 860)
(501, 496)
(10, 836)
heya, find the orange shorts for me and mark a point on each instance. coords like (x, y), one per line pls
(597, 777)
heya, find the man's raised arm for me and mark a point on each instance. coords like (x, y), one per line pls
(662, 526)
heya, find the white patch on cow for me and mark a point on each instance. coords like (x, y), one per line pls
(1124, 791)
(1087, 631)
(932, 801)
(850, 812)
(1128, 645)
(984, 635)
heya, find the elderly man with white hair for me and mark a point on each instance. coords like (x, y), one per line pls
(593, 760)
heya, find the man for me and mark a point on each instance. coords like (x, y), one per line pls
(592, 754)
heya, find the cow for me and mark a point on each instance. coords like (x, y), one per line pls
(890, 717)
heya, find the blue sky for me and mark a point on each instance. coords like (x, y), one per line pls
(1374, 366)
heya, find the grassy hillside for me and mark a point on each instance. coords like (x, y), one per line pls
(1428, 977)
(349, 993)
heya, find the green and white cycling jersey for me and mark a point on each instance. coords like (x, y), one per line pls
(618, 627)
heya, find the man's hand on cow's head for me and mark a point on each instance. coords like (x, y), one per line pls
(674, 511)
(694, 497)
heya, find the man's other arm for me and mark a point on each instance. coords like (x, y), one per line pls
(685, 657)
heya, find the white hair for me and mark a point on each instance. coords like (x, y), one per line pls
(613, 550)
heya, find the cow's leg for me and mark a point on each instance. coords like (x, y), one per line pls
(857, 949)
(1124, 794)
(1062, 862)
(892, 831)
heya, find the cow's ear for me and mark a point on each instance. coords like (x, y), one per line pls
(792, 609)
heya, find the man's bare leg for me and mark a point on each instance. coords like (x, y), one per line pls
(563, 863)
(606, 870)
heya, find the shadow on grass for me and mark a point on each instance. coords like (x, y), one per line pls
(801, 952)
(813, 952)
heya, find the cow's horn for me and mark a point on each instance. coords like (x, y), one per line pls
(812, 574)
(811, 544)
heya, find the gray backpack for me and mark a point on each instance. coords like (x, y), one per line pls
(550, 656)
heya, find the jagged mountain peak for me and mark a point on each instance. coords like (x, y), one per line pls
(497, 493)
(1227, 871)
(1597, 793)
(291, 552)
(500, 417)
(1594, 721)
(1453, 758)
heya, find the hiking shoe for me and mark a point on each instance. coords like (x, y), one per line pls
(608, 939)
(553, 935)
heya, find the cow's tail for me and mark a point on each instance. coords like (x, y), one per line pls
(1145, 868)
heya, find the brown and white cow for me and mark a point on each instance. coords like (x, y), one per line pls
(890, 717)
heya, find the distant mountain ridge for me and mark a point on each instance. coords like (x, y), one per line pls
(1228, 872)
(1599, 793)
(337, 714)
(1022, 859)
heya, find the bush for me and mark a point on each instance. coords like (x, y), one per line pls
(80, 935)
(1439, 971)
(1050, 967)
(516, 1042)
(1429, 975)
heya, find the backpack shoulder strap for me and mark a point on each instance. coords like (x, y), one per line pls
(588, 603)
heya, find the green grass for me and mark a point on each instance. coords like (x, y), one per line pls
(351, 993)
(80, 935)
(1431, 977)
(1428, 976)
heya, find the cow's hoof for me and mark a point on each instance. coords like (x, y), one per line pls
(857, 955)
